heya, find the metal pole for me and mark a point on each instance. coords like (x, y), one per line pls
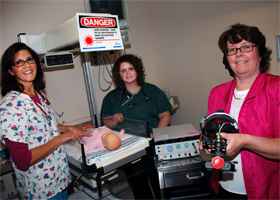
(90, 90)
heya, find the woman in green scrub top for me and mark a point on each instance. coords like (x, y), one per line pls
(133, 98)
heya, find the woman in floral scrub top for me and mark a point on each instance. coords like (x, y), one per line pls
(29, 129)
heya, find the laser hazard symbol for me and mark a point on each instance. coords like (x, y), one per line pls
(99, 32)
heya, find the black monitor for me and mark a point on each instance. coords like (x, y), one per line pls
(130, 126)
(113, 7)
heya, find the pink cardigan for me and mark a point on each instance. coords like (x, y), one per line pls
(259, 116)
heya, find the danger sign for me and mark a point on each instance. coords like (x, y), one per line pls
(98, 32)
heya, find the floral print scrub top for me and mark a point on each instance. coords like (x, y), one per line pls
(21, 120)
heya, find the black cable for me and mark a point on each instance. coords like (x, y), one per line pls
(104, 90)
(201, 159)
(107, 69)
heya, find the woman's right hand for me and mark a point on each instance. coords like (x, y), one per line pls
(118, 117)
(207, 151)
(112, 121)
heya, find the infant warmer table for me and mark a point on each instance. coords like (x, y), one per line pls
(101, 162)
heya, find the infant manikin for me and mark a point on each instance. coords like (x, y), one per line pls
(102, 137)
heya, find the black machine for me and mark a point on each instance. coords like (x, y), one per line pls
(211, 127)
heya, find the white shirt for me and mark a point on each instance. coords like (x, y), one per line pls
(234, 181)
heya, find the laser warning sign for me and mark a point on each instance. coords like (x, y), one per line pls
(99, 32)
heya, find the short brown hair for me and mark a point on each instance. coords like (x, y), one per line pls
(235, 34)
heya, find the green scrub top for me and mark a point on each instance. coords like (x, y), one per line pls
(142, 109)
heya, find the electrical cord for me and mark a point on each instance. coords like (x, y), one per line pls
(201, 159)
(106, 67)
(109, 72)
(219, 133)
(105, 58)
(110, 82)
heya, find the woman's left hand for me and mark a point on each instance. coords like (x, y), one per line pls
(263, 146)
(235, 142)
(78, 133)
(69, 133)
(72, 133)
(164, 119)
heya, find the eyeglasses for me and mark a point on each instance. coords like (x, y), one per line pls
(243, 49)
(20, 63)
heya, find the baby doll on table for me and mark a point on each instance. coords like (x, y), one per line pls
(102, 137)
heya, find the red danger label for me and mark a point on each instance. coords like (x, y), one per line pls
(97, 22)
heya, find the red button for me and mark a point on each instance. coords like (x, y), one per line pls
(218, 162)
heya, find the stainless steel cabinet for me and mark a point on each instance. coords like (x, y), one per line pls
(183, 178)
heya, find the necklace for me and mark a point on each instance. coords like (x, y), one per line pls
(240, 97)
(244, 92)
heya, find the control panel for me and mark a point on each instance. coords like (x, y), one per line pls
(179, 141)
(58, 59)
(177, 148)
(125, 36)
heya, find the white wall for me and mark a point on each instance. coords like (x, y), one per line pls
(184, 41)
(65, 88)
(176, 39)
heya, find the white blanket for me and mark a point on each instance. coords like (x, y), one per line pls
(99, 155)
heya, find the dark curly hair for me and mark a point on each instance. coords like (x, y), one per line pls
(235, 34)
(136, 62)
(9, 82)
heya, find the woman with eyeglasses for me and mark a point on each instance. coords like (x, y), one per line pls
(29, 129)
(253, 99)
(135, 99)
